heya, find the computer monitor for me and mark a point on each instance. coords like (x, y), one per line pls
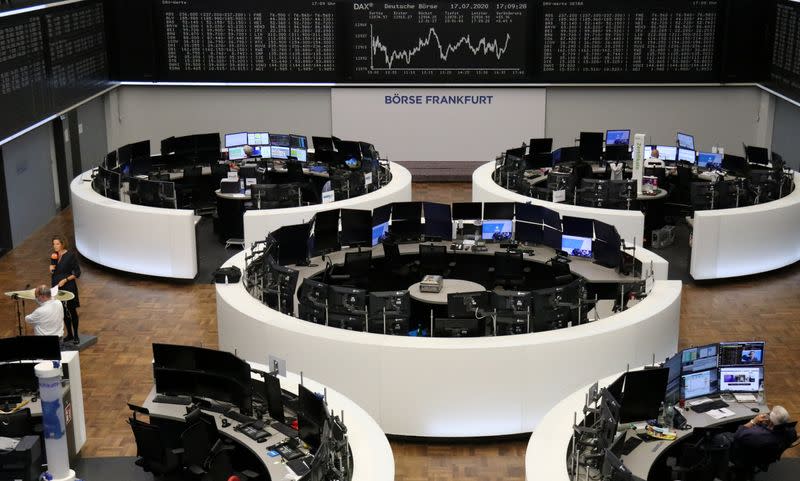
(528, 232)
(379, 233)
(392, 303)
(30, 348)
(529, 212)
(312, 292)
(279, 152)
(459, 327)
(498, 210)
(541, 146)
(709, 160)
(310, 417)
(270, 391)
(734, 163)
(551, 218)
(617, 152)
(298, 141)
(605, 232)
(255, 138)
(741, 379)
(643, 395)
(322, 144)
(467, 304)
(551, 238)
(614, 470)
(591, 145)
(299, 154)
(347, 300)
(356, 228)
(618, 137)
(326, 231)
(18, 378)
(576, 246)
(406, 211)
(203, 384)
(381, 214)
(281, 140)
(496, 230)
(438, 221)
(577, 226)
(236, 153)
(673, 364)
(349, 322)
(685, 141)
(698, 384)
(667, 153)
(687, 155)
(406, 230)
(694, 359)
(237, 139)
(757, 155)
(293, 244)
(467, 211)
(511, 300)
(744, 353)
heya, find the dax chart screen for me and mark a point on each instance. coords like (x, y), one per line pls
(439, 41)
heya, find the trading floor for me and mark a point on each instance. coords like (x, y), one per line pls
(128, 313)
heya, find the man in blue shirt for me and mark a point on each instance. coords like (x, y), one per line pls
(761, 441)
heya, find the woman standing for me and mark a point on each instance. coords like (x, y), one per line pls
(64, 269)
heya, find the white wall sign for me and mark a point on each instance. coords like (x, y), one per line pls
(327, 197)
(559, 195)
(368, 179)
(638, 161)
(439, 124)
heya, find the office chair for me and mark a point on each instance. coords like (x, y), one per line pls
(152, 453)
(294, 172)
(16, 424)
(264, 196)
(355, 271)
(703, 195)
(509, 269)
(747, 462)
(394, 261)
(200, 444)
(433, 260)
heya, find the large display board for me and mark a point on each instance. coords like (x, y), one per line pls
(785, 65)
(50, 59)
(618, 40)
(440, 41)
(247, 40)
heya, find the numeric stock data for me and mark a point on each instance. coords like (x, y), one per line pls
(785, 68)
(248, 41)
(439, 41)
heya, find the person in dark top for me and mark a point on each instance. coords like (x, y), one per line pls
(762, 440)
(64, 269)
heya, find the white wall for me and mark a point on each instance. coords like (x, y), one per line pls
(436, 132)
(785, 138)
(726, 116)
(137, 113)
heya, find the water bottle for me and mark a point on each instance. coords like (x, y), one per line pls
(669, 416)
(661, 415)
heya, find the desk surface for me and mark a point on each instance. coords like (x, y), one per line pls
(372, 454)
(449, 286)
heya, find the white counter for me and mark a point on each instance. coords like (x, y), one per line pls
(746, 240)
(439, 387)
(258, 223)
(629, 223)
(133, 238)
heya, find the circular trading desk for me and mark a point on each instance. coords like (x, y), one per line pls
(258, 223)
(546, 455)
(162, 242)
(454, 387)
(629, 223)
(372, 454)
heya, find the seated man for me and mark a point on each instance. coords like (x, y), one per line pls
(762, 440)
(48, 318)
(654, 160)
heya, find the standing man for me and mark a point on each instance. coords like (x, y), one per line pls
(48, 318)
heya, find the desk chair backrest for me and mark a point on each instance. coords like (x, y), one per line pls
(17, 424)
(197, 441)
(508, 265)
(294, 171)
(150, 448)
(391, 252)
(357, 264)
(432, 260)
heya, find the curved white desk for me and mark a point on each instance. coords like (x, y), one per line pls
(629, 223)
(747, 240)
(460, 387)
(133, 238)
(258, 223)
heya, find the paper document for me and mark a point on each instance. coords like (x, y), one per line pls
(696, 401)
(54, 291)
(720, 413)
(744, 398)
(8, 444)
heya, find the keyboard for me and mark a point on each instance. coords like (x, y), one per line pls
(284, 429)
(629, 445)
(318, 169)
(705, 407)
(300, 466)
(179, 400)
(239, 417)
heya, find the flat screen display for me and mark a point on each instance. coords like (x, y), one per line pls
(741, 379)
(256, 138)
(496, 230)
(235, 140)
(299, 154)
(576, 246)
(665, 152)
(700, 383)
(686, 155)
(685, 141)
(279, 152)
(236, 153)
(379, 233)
(701, 358)
(708, 160)
(618, 137)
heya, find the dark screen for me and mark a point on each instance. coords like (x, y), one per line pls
(30, 348)
(293, 243)
(406, 211)
(18, 377)
(529, 213)
(498, 210)
(551, 218)
(606, 232)
(326, 231)
(381, 214)
(467, 210)
(528, 232)
(644, 393)
(551, 238)
(591, 145)
(577, 226)
(356, 227)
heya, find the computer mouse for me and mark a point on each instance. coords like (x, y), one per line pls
(756, 410)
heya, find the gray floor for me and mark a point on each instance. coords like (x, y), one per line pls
(678, 255)
(107, 469)
(211, 253)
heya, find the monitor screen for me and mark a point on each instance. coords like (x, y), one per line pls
(708, 160)
(381, 214)
(665, 152)
(356, 227)
(686, 155)
(437, 212)
(299, 154)
(576, 246)
(529, 213)
(407, 211)
(326, 231)
(590, 146)
(498, 210)
(281, 140)
(577, 226)
(467, 304)
(701, 383)
(467, 211)
(256, 138)
(496, 230)
(643, 395)
(277, 152)
(237, 153)
(741, 379)
(741, 353)
(694, 359)
(685, 141)
(618, 137)
(293, 243)
(528, 232)
(235, 140)
(298, 141)
(352, 161)
(379, 233)
(551, 238)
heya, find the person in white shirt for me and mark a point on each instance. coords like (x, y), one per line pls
(48, 318)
